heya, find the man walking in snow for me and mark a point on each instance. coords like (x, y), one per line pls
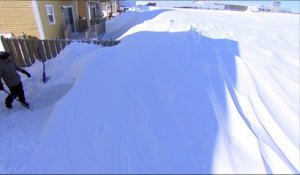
(8, 72)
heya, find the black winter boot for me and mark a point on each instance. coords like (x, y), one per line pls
(8, 105)
(25, 104)
(8, 101)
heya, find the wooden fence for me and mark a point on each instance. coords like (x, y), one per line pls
(26, 51)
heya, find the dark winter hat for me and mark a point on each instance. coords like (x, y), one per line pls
(4, 55)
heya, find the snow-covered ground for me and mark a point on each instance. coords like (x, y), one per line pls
(186, 91)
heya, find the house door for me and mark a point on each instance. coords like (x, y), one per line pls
(69, 20)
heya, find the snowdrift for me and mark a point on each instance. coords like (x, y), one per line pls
(186, 91)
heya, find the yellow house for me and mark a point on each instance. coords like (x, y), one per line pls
(46, 19)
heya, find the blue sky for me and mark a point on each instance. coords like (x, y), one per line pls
(293, 5)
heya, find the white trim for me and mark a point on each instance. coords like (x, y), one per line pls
(74, 19)
(77, 9)
(70, 6)
(54, 21)
(89, 10)
(38, 19)
(88, 13)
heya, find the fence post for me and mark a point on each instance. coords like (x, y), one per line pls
(58, 46)
(63, 44)
(25, 52)
(30, 47)
(53, 48)
(12, 51)
(36, 45)
(41, 50)
(19, 53)
(47, 49)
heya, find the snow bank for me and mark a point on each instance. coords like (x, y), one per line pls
(122, 23)
(119, 21)
(186, 91)
(20, 129)
(154, 94)
(180, 97)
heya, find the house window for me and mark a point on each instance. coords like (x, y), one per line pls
(50, 14)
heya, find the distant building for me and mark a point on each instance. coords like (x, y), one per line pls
(218, 6)
(208, 5)
(236, 7)
(151, 4)
(275, 8)
(254, 8)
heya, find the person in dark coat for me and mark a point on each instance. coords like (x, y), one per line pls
(8, 72)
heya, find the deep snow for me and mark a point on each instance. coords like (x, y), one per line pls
(186, 91)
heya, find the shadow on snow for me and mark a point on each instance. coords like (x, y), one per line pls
(176, 99)
(158, 111)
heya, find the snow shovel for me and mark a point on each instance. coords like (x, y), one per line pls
(45, 79)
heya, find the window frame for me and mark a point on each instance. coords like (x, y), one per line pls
(48, 12)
